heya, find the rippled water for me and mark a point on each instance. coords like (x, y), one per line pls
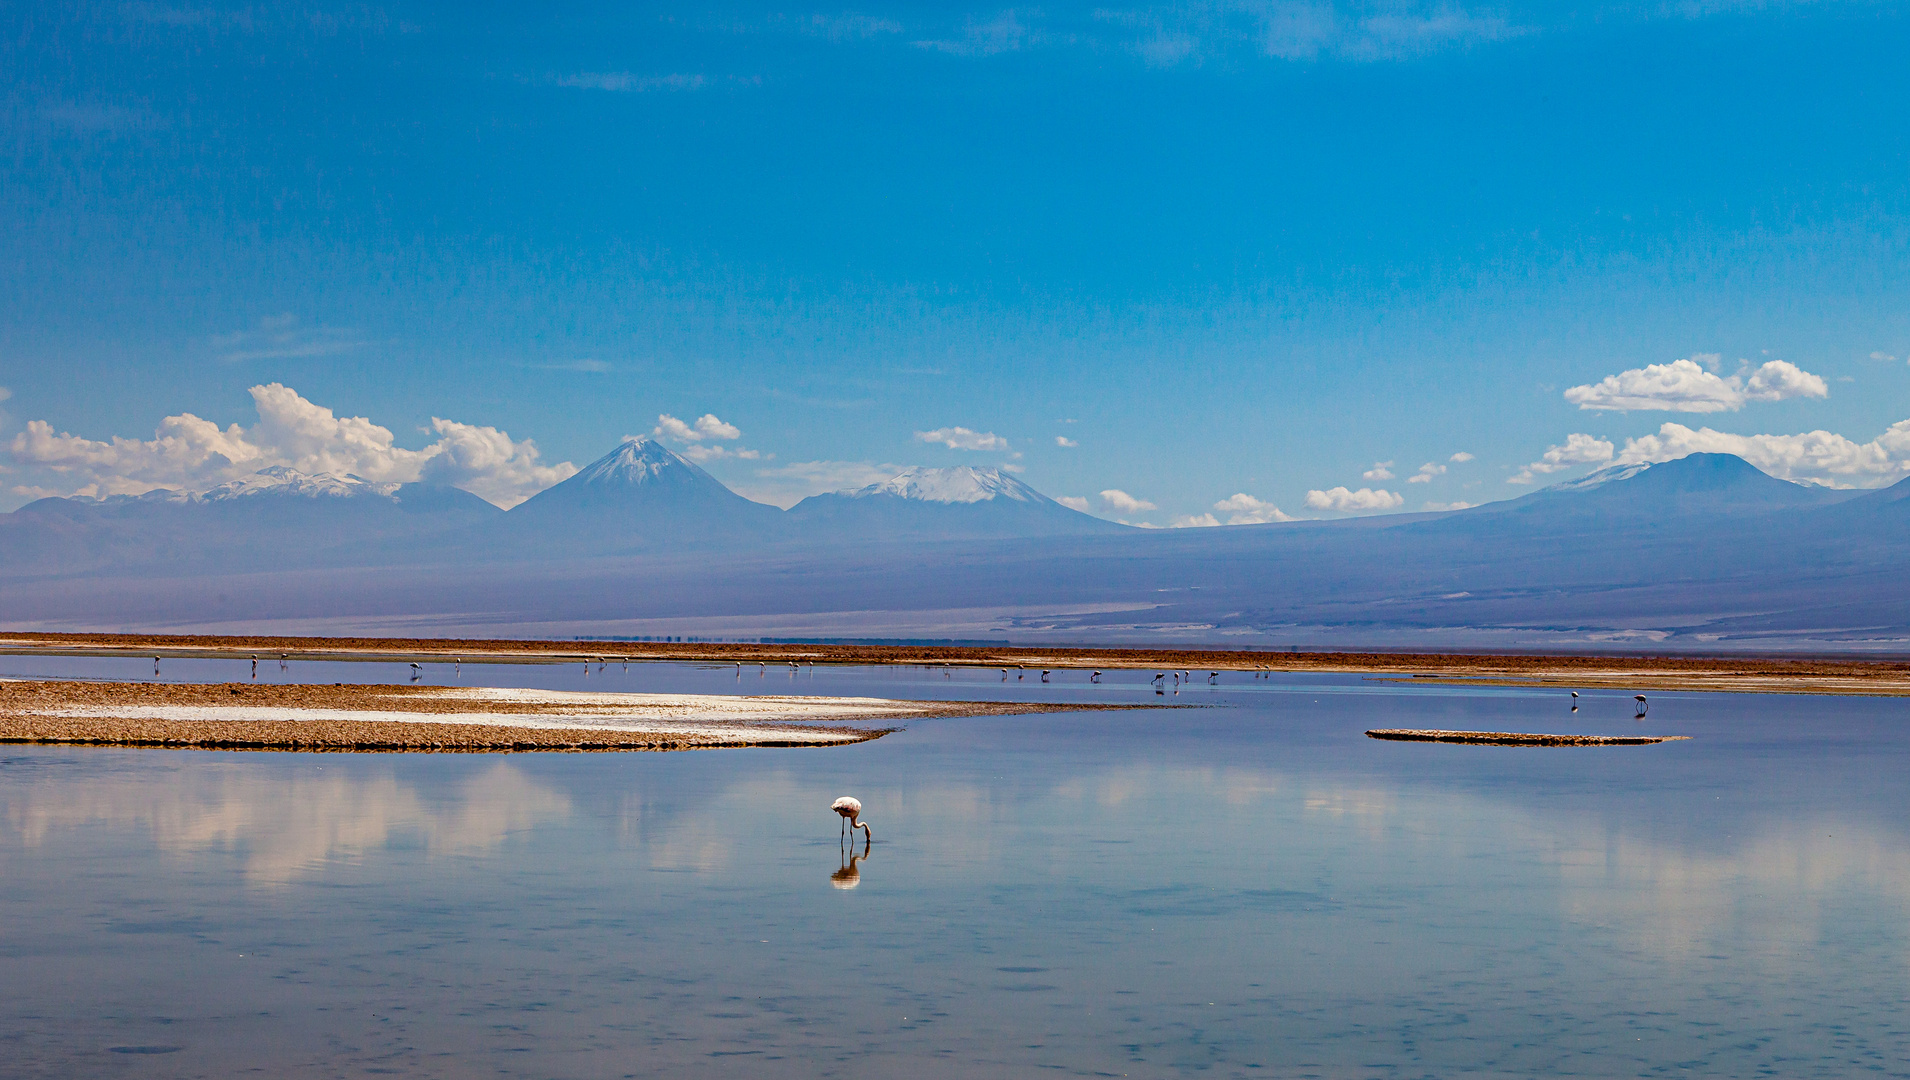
(1247, 889)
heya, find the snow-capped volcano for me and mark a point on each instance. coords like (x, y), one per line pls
(641, 493)
(962, 484)
(941, 504)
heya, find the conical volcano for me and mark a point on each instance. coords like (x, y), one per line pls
(643, 494)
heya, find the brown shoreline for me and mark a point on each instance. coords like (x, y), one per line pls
(1730, 674)
(25, 719)
(1517, 738)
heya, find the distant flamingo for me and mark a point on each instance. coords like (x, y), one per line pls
(851, 811)
(1096, 677)
(1643, 705)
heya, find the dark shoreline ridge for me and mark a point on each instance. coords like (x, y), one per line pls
(1515, 738)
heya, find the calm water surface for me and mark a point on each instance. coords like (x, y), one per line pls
(1251, 888)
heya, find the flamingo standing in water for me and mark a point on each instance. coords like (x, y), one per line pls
(1643, 705)
(851, 811)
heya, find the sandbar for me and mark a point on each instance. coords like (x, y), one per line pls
(246, 716)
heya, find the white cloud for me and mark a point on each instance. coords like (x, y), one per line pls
(707, 426)
(1073, 502)
(1822, 456)
(1193, 521)
(1381, 470)
(1353, 502)
(5, 393)
(1124, 503)
(487, 463)
(1438, 506)
(1577, 449)
(1882, 356)
(195, 454)
(1244, 509)
(700, 454)
(1059, 440)
(1685, 386)
(1426, 473)
(1460, 458)
(960, 438)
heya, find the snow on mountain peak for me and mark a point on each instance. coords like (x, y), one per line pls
(281, 481)
(1608, 475)
(635, 461)
(961, 484)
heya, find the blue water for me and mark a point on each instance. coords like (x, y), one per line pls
(1249, 888)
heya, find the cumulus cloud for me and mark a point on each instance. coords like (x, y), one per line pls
(1244, 509)
(1121, 502)
(1821, 456)
(1193, 521)
(1381, 470)
(1685, 386)
(196, 454)
(960, 438)
(1577, 449)
(1059, 440)
(1439, 506)
(707, 426)
(1354, 502)
(1460, 458)
(1073, 502)
(1426, 473)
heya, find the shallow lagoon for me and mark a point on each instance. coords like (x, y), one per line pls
(1249, 888)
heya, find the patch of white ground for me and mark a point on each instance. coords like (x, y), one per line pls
(703, 716)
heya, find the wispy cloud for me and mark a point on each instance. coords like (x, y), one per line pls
(1427, 473)
(593, 367)
(1460, 458)
(1073, 502)
(1064, 441)
(276, 337)
(786, 485)
(1004, 32)
(1299, 30)
(624, 82)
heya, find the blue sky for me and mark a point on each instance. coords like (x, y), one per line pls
(1226, 249)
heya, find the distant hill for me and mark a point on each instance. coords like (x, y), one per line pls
(1701, 553)
(275, 516)
(961, 503)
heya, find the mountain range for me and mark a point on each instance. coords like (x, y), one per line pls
(1702, 552)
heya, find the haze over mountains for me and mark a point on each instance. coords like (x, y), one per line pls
(1701, 552)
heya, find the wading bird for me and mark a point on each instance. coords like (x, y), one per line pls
(1643, 705)
(851, 811)
(1096, 677)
